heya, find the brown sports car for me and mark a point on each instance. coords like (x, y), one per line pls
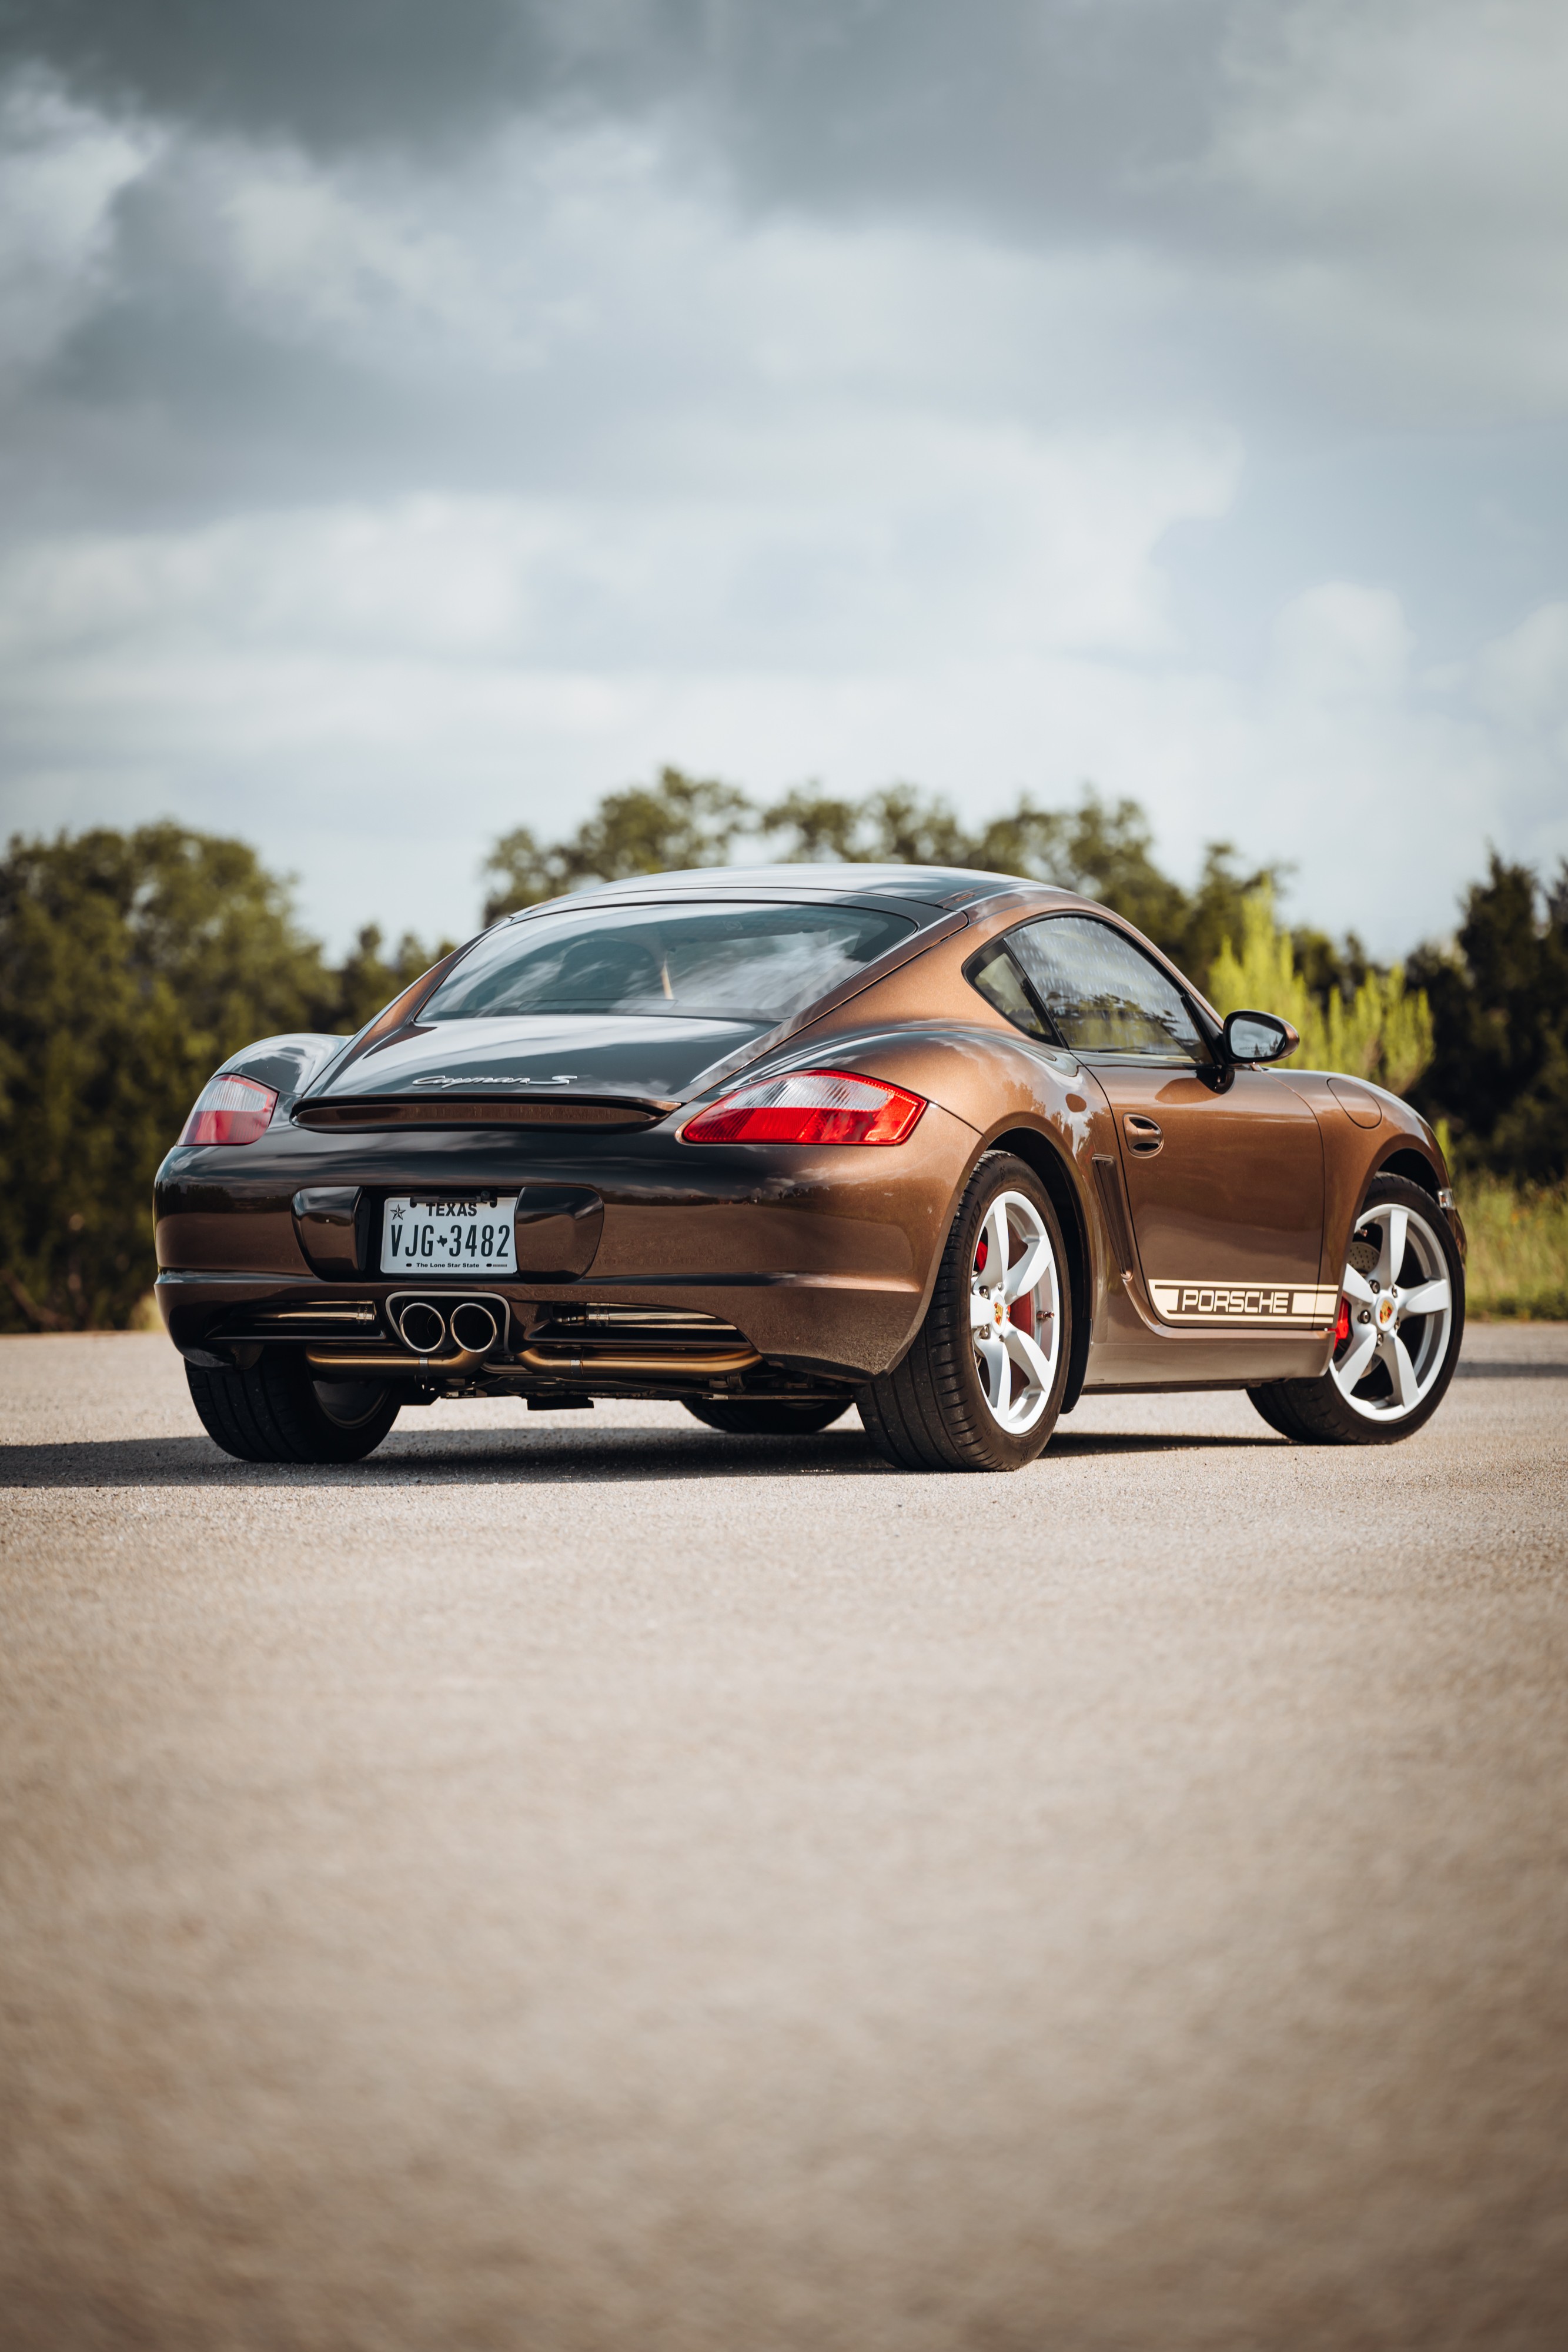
(953, 1148)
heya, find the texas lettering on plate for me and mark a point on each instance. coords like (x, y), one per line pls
(458, 1232)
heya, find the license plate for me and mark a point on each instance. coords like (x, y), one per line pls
(449, 1233)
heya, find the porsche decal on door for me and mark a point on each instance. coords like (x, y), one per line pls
(1230, 1302)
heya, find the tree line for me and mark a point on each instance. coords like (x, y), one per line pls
(131, 963)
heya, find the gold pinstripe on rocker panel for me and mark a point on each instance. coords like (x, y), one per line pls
(1233, 1302)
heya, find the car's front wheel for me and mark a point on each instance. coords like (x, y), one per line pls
(981, 1387)
(273, 1412)
(1396, 1338)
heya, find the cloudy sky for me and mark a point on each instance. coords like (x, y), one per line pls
(418, 420)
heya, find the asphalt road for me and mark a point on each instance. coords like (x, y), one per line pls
(582, 1882)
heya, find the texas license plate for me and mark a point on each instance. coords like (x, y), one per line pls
(449, 1233)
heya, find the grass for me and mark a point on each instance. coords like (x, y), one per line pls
(1519, 1249)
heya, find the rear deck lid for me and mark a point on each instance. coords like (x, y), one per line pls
(512, 1056)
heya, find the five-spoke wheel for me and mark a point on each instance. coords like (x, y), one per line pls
(1395, 1311)
(1015, 1312)
(1397, 1337)
(982, 1384)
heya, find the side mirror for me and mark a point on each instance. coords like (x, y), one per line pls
(1250, 1037)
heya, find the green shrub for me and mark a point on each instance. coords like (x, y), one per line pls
(1519, 1249)
(1382, 1031)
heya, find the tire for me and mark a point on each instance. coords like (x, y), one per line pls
(968, 1395)
(1358, 1401)
(767, 1416)
(1270, 1403)
(275, 1411)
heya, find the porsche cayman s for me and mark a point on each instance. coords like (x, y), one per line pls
(953, 1148)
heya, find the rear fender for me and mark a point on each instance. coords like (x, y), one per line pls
(1014, 1095)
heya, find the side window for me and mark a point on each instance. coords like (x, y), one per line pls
(1101, 993)
(996, 975)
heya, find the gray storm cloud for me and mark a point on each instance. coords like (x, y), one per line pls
(1058, 104)
(518, 395)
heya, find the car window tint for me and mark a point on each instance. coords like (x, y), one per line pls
(998, 980)
(707, 963)
(1103, 995)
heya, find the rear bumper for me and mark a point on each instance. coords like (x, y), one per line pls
(831, 1326)
(822, 1261)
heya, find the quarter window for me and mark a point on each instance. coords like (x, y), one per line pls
(1103, 995)
(996, 977)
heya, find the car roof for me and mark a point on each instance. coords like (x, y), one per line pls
(932, 888)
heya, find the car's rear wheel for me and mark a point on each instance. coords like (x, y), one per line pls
(767, 1416)
(273, 1412)
(981, 1387)
(1396, 1339)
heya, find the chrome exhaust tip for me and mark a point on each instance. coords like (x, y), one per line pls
(421, 1327)
(474, 1327)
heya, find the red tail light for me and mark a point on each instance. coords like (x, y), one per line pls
(229, 1110)
(809, 1107)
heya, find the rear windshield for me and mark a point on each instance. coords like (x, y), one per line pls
(703, 963)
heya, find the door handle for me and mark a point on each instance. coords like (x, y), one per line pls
(1142, 1135)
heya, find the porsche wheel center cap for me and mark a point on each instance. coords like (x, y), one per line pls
(1385, 1310)
(999, 1311)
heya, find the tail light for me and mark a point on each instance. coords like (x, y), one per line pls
(229, 1110)
(809, 1107)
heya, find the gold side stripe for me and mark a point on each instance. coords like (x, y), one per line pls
(1237, 1302)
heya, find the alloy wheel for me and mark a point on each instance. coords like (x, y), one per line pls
(1015, 1312)
(1395, 1312)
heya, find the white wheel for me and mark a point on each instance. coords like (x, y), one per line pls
(1395, 1315)
(1015, 1313)
(981, 1383)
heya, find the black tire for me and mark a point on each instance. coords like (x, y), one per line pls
(275, 1411)
(1270, 1402)
(1317, 1412)
(767, 1416)
(930, 1413)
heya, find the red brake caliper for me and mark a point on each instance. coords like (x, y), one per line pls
(1341, 1323)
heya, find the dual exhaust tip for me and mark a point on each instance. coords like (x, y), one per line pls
(471, 1326)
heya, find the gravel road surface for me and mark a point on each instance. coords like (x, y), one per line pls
(583, 1884)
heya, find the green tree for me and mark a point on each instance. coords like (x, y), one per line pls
(1325, 965)
(901, 825)
(680, 822)
(1499, 1008)
(1103, 852)
(819, 830)
(130, 964)
(1382, 1032)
